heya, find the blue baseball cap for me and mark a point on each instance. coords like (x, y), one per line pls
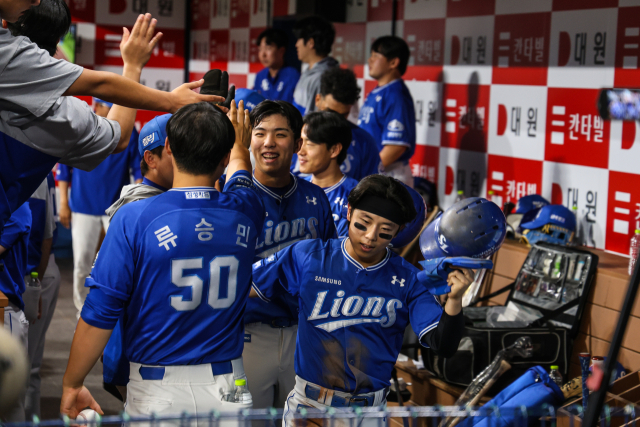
(153, 134)
(100, 101)
(551, 214)
(250, 97)
(530, 202)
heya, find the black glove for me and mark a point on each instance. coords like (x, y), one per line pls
(216, 82)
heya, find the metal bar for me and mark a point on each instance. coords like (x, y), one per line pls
(394, 16)
(596, 400)
(187, 40)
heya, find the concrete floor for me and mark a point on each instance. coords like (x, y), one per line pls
(56, 353)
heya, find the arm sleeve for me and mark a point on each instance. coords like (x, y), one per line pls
(424, 309)
(445, 338)
(395, 124)
(111, 280)
(30, 79)
(284, 268)
(63, 172)
(240, 179)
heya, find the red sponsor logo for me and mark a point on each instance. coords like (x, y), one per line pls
(521, 48)
(169, 53)
(628, 47)
(424, 163)
(575, 132)
(623, 216)
(426, 42)
(200, 14)
(510, 178)
(466, 115)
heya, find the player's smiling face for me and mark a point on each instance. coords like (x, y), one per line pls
(369, 235)
(273, 144)
(11, 10)
(315, 157)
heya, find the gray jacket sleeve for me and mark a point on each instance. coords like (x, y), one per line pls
(30, 79)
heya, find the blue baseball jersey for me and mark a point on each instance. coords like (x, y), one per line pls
(388, 114)
(297, 212)
(279, 88)
(352, 319)
(338, 195)
(93, 192)
(363, 158)
(179, 265)
(15, 239)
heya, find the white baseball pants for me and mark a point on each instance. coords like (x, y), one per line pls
(17, 324)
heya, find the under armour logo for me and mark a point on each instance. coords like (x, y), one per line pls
(395, 280)
(313, 200)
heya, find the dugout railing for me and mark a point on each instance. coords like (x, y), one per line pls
(428, 416)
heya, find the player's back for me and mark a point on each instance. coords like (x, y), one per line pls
(192, 254)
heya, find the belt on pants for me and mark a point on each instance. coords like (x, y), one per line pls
(281, 322)
(157, 372)
(328, 397)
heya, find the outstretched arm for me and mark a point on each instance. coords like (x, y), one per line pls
(239, 159)
(128, 93)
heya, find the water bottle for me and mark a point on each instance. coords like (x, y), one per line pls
(460, 196)
(633, 251)
(31, 298)
(555, 375)
(242, 393)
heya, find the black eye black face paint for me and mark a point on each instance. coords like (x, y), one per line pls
(385, 236)
(359, 226)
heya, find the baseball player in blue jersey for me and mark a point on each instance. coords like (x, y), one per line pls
(325, 138)
(295, 210)
(339, 91)
(178, 265)
(356, 298)
(156, 167)
(276, 81)
(388, 113)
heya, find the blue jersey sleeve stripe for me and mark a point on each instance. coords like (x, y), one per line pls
(402, 143)
(425, 330)
(111, 292)
(260, 294)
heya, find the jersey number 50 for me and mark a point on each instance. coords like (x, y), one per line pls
(196, 283)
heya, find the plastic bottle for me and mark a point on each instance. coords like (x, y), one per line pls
(555, 375)
(577, 237)
(633, 250)
(460, 196)
(31, 297)
(242, 392)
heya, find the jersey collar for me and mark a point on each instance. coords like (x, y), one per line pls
(150, 183)
(357, 264)
(274, 195)
(379, 88)
(336, 185)
(193, 188)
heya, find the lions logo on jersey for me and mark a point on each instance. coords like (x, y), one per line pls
(395, 126)
(354, 306)
(265, 85)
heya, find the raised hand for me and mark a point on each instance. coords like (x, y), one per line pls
(136, 46)
(184, 95)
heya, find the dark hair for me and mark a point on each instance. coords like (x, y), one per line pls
(144, 167)
(274, 36)
(393, 47)
(200, 137)
(340, 83)
(329, 127)
(388, 188)
(44, 24)
(268, 108)
(318, 29)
